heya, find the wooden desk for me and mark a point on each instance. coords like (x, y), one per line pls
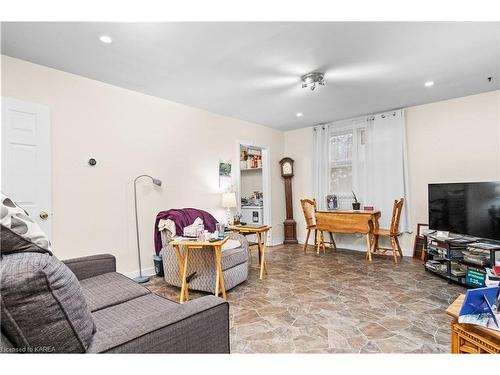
(468, 338)
(339, 221)
(184, 263)
(261, 233)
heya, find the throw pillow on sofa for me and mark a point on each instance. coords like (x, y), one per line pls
(19, 232)
(43, 308)
(42, 305)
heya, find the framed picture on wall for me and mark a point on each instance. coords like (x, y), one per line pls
(224, 175)
(331, 202)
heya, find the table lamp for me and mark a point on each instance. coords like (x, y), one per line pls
(228, 202)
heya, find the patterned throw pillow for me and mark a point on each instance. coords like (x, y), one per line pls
(19, 232)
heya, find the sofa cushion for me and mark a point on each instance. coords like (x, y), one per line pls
(128, 327)
(233, 257)
(19, 232)
(42, 304)
(110, 289)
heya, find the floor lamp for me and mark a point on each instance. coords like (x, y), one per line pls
(141, 279)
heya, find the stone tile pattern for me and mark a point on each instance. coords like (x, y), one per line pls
(336, 303)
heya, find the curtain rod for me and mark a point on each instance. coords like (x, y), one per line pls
(360, 118)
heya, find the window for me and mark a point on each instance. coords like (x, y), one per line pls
(346, 148)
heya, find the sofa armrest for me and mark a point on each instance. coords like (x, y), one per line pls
(91, 266)
(197, 326)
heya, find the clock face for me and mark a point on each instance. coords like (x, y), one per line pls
(287, 168)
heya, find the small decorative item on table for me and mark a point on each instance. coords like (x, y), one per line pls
(237, 219)
(220, 228)
(331, 202)
(356, 206)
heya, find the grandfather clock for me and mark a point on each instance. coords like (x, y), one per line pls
(289, 224)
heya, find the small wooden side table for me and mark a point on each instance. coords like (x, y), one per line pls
(469, 338)
(184, 263)
(261, 233)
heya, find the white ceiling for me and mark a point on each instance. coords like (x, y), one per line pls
(251, 71)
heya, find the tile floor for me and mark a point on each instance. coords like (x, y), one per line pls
(336, 303)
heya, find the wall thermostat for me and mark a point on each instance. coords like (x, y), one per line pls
(92, 162)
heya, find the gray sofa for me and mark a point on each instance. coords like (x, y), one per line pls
(43, 311)
(202, 261)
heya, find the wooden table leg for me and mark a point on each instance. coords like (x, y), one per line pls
(264, 247)
(261, 239)
(368, 247)
(181, 268)
(184, 288)
(318, 244)
(219, 277)
(333, 241)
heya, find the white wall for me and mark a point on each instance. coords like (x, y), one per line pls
(449, 141)
(129, 134)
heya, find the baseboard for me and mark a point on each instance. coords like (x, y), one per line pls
(145, 272)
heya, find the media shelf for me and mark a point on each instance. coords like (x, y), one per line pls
(460, 260)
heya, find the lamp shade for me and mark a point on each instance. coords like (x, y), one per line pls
(228, 200)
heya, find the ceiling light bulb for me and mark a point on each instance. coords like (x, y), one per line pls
(299, 114)
(106, 39)
(429, 83)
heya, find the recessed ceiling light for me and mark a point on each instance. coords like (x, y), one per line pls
(429, 83)
(106, 39)
(299, 114)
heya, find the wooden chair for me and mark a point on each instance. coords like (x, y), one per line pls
(309, 208)
(393, 233)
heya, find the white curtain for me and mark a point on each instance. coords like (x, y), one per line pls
(379, 165)
(386, 165)
(321, 164)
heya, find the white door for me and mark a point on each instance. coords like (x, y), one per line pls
(26, 158)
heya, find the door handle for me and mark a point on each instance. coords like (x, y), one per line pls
(44, 215)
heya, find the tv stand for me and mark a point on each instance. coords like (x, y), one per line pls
(445, 258)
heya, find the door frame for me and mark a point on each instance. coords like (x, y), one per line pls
(266, 181)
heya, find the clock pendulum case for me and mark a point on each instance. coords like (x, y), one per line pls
(290, 225)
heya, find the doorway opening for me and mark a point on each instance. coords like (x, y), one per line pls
(253, 185)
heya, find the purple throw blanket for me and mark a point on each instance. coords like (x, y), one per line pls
(182, 217)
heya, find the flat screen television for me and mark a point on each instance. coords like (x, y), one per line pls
(471, 208)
